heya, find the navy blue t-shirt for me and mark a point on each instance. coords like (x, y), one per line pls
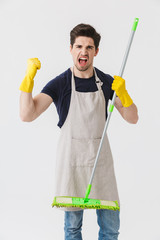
(59, 89)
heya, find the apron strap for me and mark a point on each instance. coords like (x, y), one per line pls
(98, 82)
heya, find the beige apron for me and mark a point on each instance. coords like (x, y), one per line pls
(77, 148)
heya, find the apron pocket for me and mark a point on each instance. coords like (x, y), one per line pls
(84, 152)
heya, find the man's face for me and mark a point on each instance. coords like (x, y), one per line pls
(83, 52)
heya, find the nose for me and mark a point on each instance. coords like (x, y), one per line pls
(83, 51)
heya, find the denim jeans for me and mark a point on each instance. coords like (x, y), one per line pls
(108, 221)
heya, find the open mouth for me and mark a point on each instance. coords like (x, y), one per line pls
(82, 61)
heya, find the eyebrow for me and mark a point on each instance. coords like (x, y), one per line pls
(79, 45)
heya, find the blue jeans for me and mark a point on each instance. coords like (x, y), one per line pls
(108, 221)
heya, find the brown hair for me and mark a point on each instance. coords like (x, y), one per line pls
(87, 31)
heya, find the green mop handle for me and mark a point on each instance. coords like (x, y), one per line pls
(125, 59)
(111, 107)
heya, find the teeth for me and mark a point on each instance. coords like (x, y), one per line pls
(83, 59)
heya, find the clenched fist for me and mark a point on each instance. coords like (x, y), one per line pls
(119, 87)
(32, 65)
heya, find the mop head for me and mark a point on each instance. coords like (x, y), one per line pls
(84, 203)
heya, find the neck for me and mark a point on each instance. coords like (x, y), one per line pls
(83, 74)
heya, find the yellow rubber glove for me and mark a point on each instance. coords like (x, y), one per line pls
(118, 86)
(27, 84)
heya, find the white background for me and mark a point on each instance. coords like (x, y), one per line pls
(41, 29)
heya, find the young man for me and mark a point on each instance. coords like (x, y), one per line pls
(81, 96)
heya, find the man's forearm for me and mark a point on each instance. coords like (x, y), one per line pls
(130, 114)
(27, 106)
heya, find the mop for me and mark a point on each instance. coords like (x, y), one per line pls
(65, 201)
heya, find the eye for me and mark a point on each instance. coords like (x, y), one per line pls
(90, 47)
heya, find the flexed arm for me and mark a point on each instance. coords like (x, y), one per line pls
(31, 108)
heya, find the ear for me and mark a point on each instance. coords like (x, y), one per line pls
(96, 52)
(71, 48)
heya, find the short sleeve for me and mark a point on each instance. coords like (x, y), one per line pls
(51, 89)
